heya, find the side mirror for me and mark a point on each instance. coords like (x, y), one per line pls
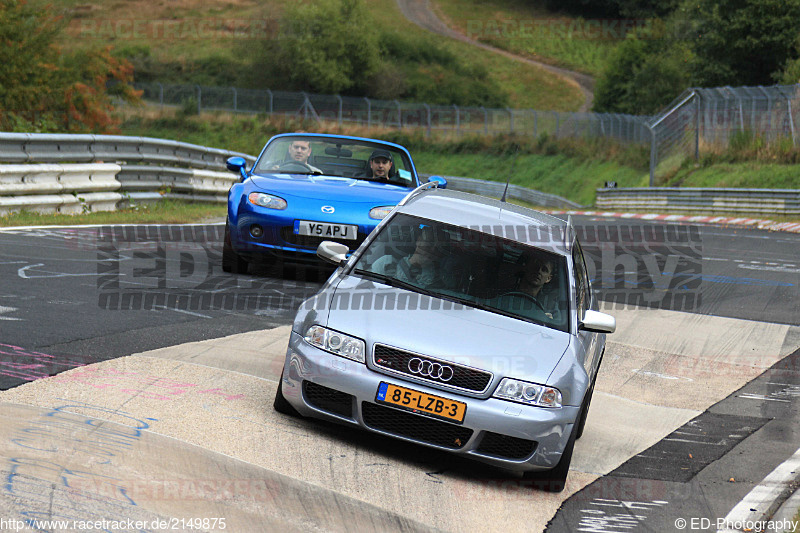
(333, 252)
(597, 322)
(440, 181)
(237, 164)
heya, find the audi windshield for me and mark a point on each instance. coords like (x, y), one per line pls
(470, 267)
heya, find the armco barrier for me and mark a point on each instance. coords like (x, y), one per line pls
(135, 169)
(63, 148)
(68, 188)
(147, 169)
(784, 202)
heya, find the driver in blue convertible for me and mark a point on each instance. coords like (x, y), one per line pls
(298, 151)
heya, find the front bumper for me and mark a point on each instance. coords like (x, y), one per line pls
(278, 238)
(505, 434)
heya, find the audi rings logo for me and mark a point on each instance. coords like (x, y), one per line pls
(429, 369)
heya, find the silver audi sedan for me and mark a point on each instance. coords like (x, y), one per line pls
(462, 323)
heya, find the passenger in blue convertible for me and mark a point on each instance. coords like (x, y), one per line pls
(380, 167)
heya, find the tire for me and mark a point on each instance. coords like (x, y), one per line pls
(280, 404)
(588, 400)
(555, 479)
(585, 410)
(231, 261)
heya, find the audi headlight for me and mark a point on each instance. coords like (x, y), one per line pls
(528, 393)
(379, 213)
(336, 343)
(266, 200)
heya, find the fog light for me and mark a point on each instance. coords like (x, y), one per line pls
(256, 231)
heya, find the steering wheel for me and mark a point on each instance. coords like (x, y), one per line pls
(289, 165)
(519, 294)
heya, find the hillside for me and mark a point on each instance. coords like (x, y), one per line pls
(216, 42)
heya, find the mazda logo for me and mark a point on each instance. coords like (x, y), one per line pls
(328, 209)
(429, 369)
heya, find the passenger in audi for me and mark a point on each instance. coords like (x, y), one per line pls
(427, 266)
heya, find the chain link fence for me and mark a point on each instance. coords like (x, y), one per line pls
(707, 120)
(698, 120)
(401, 115)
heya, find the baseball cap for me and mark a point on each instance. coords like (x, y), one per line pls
(382, 153)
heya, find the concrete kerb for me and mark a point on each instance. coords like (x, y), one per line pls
(768, 225)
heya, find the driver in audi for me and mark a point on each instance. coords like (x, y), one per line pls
(298, 151)
(533, 281)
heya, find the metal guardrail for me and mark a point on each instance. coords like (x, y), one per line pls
(141, 168)
(84, 148)
(144, 169)
(149, 169)
(702, 200)
(69, 188)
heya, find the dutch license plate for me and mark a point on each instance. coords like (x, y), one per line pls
(420, 402)
(325, 229)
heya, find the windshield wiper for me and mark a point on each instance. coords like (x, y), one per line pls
(394, 282)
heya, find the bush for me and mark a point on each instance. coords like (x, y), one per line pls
(48, 89)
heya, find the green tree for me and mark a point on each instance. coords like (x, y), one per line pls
(43, 88)
(742, 42)
(642, 76)
(329, 46)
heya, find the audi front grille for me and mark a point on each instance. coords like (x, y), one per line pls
(430, 369)
(420, 428)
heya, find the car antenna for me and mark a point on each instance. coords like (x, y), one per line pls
(513, 164)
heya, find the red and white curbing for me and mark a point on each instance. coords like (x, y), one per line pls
(769, 225)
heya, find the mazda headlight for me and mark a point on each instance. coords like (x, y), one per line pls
(528, 393)
(336, 343)
(267, 200)
(379, 213)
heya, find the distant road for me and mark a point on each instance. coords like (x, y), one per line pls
(420, 13)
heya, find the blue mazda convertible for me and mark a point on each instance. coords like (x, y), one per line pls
(306, 188)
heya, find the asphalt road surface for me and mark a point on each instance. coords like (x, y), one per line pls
(703, 312)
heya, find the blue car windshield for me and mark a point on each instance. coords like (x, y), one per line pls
(471, 267)
(336, 156)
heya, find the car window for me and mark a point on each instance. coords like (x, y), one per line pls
(470, 267)
(338, 157)
(582, 294)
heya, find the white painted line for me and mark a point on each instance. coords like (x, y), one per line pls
(650, 217)
(761, 397)
(762, 502)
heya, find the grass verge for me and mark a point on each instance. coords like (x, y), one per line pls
(166, 211)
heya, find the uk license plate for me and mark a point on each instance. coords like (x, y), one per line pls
(325, 229)
(420, 402)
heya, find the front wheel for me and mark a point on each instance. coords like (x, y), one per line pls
(555, 479)
(231, 261)
(280, 403)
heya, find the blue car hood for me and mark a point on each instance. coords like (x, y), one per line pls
(330, 188)
(430, 326)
